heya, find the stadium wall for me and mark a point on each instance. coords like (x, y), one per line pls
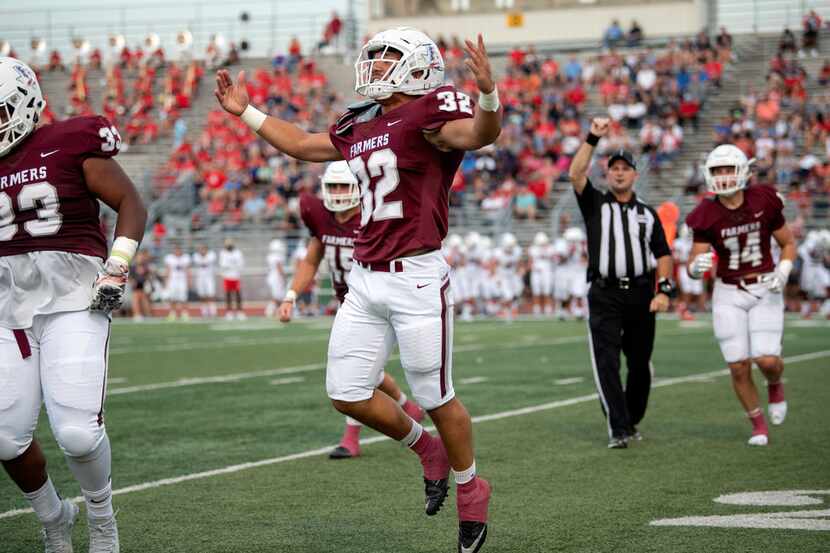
(578, 24)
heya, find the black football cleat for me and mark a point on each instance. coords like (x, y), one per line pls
(471, 536)
(618, 442)
(436, 492)
(340, 452)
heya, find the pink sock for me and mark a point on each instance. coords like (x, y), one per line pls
(759, 423)
(351, 437)
(423, 445)
(775, 392)
(472, 500)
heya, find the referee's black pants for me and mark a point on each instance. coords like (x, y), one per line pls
(620, 320)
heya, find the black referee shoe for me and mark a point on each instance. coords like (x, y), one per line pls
(617, 442)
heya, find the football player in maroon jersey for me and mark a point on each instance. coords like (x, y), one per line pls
(58, 284)
(334, 223)
(747, 304)
(404, 145)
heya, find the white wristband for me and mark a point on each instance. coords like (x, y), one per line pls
(124, 249)
(253, 118)
(489, 101)
(290, 296)
(785, 267)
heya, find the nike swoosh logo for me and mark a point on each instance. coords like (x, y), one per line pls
(393, 122)
(47, 154)
(759, 213)
(419, 286)
(475, 545)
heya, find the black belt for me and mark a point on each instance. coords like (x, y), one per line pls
(625, 283)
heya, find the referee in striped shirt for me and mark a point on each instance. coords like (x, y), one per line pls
(626, 247)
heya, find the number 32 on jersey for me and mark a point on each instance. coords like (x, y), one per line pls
(383, 165)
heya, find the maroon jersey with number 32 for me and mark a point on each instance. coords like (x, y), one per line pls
(404, 179)
(44, 201)
(337, 238)
(741, 237)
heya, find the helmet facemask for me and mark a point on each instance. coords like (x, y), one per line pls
(13, 128)
(727, 183)
(340, 201)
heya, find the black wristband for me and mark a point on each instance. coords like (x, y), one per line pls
(665, 286)
(592, 139)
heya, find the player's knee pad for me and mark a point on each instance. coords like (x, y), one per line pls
(765, 344)
(12, 447)
(79, 441)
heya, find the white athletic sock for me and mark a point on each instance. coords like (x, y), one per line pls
(92, 471)
(414, 435)
(99, 504)
(402, 399)
(45, 502)
(353, 422)
(464, 476)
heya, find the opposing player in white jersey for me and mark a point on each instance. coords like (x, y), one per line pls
(574, 269)
(814, 278)
(275, 262)
(334, 222)
(204, 275)
(739, 223)
(56, 293)
(508, 258)
(472, 276)
(404, 144)
(177, 267)
(231, 265)
(541, 256)
(692, 291)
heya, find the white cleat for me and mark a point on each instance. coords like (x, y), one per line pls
(103, 536)
(777, 412)
(758, 439)
(57, 535)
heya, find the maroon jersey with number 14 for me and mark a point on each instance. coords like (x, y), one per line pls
(44, 201)
(741, 237)
(337, 238)
(404, 179)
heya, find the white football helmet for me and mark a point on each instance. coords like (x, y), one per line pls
(508, 240)
(541, 239)
(21, 103)
(338, 172)
(419, 70)
(574, 234)
(455, 241)
(486, 243)
(276, 246)
(472, 239)
(727, 155)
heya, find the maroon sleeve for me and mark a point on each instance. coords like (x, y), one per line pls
(309, 213)
(776, 207)
(696, 220)
(92, 136)
(445, 104)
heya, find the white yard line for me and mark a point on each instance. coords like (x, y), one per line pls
(568, 381)
(473, 380)
(288, 380)
(366, 441)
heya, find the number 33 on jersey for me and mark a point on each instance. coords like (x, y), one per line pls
(44, 200)
(404, 179)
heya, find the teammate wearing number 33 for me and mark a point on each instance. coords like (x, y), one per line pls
(747, 305)
(57, 284)
(404, 145)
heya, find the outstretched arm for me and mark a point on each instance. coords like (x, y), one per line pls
(306, 269)
(485, 126)
(282, 135)
(579, 165)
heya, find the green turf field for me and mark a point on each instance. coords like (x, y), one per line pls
(188, 400)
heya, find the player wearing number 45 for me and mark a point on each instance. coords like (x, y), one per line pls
(747, 304)
(334, 223)
(56, 292)
(404, 144)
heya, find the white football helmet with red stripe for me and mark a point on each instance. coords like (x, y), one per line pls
(21, 103)
(727, 155)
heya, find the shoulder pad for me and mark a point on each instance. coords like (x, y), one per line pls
(359, 112)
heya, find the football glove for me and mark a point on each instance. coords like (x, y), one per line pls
(778, 279)
(700, 265)
(110, 286)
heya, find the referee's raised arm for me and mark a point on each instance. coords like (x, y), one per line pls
(579, 166)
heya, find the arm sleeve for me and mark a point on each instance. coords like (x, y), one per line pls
(308, 214)
(443, 105)
(659, 245)
(588, 200)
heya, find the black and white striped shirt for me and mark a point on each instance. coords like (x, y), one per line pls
(624, 239)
